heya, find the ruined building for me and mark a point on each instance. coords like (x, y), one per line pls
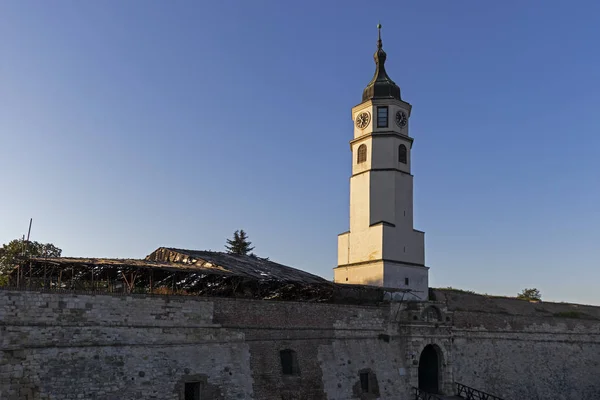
(190, 325)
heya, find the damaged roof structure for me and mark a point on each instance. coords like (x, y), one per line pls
(251, 267)
(189, 272)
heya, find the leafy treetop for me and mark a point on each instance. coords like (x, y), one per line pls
(17, 250)
(530, 294)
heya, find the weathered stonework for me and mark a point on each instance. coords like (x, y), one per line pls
(79, 346)
(522, 350)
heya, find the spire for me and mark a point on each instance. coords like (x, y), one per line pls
(381, 86)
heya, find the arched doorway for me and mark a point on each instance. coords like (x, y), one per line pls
(429, 369)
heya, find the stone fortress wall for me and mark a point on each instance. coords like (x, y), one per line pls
(523, 350)
(83, 346)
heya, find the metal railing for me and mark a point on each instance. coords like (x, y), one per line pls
(469, 393)
(423, 395)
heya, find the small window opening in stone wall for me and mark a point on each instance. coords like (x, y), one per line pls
(364, 382)
(406, 281)
(368, 383)
(362, 154)
(192, 391)
(289, 362)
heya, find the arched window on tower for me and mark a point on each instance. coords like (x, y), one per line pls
(362, 154)
(402, 154)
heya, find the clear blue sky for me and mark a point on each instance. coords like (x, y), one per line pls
(129, 125)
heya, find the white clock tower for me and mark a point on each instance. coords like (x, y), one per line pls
(382, 248)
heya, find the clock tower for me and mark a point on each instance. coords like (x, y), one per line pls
(382, 248)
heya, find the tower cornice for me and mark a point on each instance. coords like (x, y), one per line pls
(382, 134)
(382, 102)
(381, 259)
(381, 170)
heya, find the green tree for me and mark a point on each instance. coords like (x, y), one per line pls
(530, 294)
(239, 244)
(19, 250)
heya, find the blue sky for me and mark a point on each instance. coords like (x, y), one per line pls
(125, 126)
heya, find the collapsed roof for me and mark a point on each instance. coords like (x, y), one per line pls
(232, 264)
(192, 272)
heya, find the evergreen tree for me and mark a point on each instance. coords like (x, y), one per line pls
(239, 244)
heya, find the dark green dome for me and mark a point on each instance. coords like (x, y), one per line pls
(381, 86)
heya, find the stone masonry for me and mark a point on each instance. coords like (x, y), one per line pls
(82, 346)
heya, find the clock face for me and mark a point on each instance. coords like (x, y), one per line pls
(363, 119)
(401, 119)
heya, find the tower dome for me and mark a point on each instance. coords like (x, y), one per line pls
(381, 86)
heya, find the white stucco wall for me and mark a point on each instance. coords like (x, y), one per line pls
(365, 274)
(395, 275)
(365, 245)
(385, 152)
(402, 242)
(377, 196)
(382, 197)
(360, 201)
(406, 246)
(343, 249)
(381, 209)
(403, 197)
